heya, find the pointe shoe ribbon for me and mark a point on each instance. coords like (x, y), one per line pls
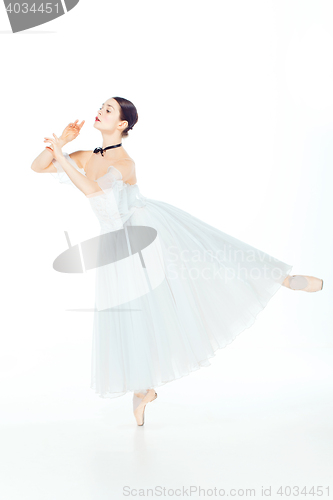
(140, 410)
(305, 283)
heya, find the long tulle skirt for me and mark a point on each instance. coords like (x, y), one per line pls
(164, 313)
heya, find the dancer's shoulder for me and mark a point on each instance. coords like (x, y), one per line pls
(81, 157)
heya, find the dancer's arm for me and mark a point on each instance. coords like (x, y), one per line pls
(84, 184)
(43, 162)
(87, 186)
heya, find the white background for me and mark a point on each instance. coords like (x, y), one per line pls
(235, 126)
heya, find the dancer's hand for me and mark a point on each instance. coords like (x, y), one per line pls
(71, 132)
(55, 147)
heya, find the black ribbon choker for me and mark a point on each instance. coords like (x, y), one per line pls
(100, 150)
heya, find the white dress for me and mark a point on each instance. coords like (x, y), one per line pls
(170, 288)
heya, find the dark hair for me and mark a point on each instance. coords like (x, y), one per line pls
(128, 112)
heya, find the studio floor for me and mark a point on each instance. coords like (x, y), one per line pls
(271, 430)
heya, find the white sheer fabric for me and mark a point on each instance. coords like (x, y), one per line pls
(61, 175)
(154, 331)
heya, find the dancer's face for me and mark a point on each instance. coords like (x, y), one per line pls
(109, 116)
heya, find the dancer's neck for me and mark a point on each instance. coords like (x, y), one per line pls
(110, 140)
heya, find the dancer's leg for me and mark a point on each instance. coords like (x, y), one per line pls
(305, 283)
(138, 397)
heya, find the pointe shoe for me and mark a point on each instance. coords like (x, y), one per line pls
(139, 411)
(305, 283)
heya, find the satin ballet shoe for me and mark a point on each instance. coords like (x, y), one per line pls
(137, 399)
(139, 404)
(305, 283)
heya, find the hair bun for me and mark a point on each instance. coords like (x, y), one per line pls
(128, 112)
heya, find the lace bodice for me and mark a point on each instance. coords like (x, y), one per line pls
(117, 201)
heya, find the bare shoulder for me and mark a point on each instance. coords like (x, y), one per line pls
(124, 162)
(126, 167)
(81, 157)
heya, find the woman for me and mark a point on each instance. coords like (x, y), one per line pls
(175, 309)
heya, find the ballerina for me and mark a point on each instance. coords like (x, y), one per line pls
(170, 327)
